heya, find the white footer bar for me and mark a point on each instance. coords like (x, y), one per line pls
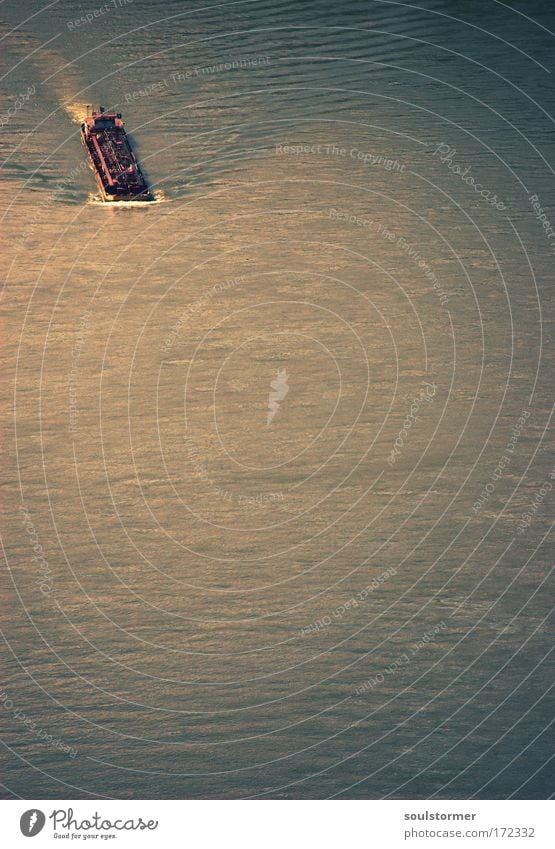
(267, 824)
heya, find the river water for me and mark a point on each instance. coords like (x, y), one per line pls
(270, 439)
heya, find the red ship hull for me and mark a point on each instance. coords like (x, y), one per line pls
(111, 158)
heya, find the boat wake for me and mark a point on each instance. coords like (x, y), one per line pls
(96, 200)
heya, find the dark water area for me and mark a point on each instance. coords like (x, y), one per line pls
(277, 499)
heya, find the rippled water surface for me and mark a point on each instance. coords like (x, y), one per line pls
(269, 440)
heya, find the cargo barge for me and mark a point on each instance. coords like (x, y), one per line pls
(111, 158)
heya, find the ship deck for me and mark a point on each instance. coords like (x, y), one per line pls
(114, 161)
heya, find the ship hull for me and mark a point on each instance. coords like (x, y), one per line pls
(112, 160)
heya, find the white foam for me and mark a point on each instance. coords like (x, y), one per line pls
(97, 200)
